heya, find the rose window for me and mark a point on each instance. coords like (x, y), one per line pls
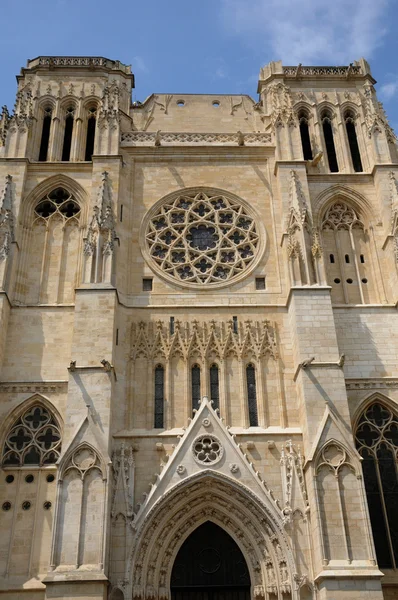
(202, 237)
(207, 449)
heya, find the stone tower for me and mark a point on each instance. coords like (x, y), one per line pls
(198, 339)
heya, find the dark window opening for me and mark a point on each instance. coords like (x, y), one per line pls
(45, 135)
(159, 397)
(330, 147)
(260, 283)
(195, 382)
(252, 395)
(235, 324)
(347, 258)
(121, 212)
(305, 138)
(214, 387)
(117, 337)
(68, 135)
(350, 281)
(171, 325)
(147, 285)
(331, 258)
(90, 136)
(337, 280)
(353, 143)
(362, 258)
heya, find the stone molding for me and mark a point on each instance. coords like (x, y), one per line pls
(149, 138)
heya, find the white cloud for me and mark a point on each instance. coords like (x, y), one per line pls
(309, 31)
(139, 64)
(389, 90)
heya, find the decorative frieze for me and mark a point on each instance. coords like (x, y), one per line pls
(149, 138)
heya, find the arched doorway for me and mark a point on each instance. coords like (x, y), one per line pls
(210, 566)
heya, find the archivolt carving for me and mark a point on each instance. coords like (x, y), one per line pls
(194, 339)
(209, 496)
(202, 237)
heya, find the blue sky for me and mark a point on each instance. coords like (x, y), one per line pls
(205, 46)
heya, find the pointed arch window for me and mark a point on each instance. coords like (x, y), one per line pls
(69, 122)
(377, 442)
(305, 135)
(349, 119)
(45, 134)
(214, 386)
(195, 383)
(90, 134)
(328, 136)
(159, 397)
(33, 439)
(252, 395)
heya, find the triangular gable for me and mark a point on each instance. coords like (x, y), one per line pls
(86, 431)
(331, 428)
(207, 438)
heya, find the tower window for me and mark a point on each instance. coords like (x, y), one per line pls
(195, 382)
(347, 258)
(353, 141)
(214, 387)
(331, 258)
(69, 120)
(45, 134)
(305, 136)
(159, 397)
(252, 395)
(90, 136)
(329, 143)
(362, 258)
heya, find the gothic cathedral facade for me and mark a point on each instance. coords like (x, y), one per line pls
(199, 338)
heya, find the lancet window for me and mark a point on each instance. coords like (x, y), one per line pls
(90, 132)
(159, 397)
(349, 119)
(377, 442)
(214, 386)
(33, 439)
(195, 385)
(305, 135)
(346, 243)
(326, 119)
(45, 134)
(68, 131)
(252, 395)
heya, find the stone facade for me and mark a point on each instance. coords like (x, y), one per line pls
(197, 323)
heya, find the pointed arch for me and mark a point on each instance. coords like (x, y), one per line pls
(31, 433)
(69, 460)
(370, 399)
(328, 196)
(209, 496)
(45, 187)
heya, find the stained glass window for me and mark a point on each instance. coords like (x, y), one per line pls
(159, 397)
(214, 387)
(252, 395)
(195, 381)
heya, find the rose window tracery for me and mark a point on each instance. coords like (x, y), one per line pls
(201, 237)
(35, 439)
(207, 449)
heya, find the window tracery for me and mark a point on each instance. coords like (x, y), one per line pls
(60, 202)
(377, 442)
(34, 439)
(201, 238)
(345, 239)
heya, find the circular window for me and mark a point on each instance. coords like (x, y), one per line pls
(29, 478)
(216, 103)
(6, 506)
(364, 280)
(207, 449)
(9, 478)
(50, 478)
(180, 103)
(349, 280)
(202, 237)
(337, 280)
(47, 505)
(26, 505)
